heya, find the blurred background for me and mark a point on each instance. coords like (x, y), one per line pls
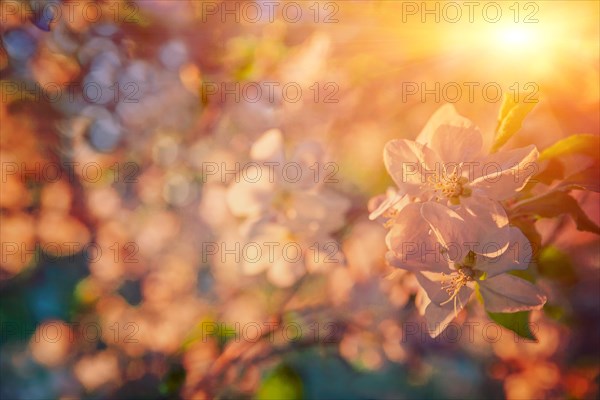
(111, 111)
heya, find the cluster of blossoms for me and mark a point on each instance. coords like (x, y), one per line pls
(446, 221)
(297, 214)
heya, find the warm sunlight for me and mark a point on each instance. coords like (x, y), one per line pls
(518, 37)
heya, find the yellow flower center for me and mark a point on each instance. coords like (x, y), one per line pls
(465, 273)
(452, 187)
(453, 282)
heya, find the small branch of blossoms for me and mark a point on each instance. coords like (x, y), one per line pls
(438, 205)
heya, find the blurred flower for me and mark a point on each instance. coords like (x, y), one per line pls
(61, 234)
(99, 369)
(297, 198)
(51, 342)
(287, 210)
(362, 349)
(287, 255)
(18, 242)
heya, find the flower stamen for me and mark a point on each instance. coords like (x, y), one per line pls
(391, 215)
(452, 186)
(454, 282)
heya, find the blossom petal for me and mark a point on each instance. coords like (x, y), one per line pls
(480, 225)
(448, 227)
(515, 257)
(506, 172)
(455, 144)
(507, 294)
(439, 312)
(411, 245)
(421, 300)
(249, 198)
(285, 273)
(380, 204)
(309, 164)
(445, 115)
(416, 263)
(406, 162)
(432, 283)
(268, 147)
(256, 257)
(487, 223)
(410, 216)
(439, 317)
(322, 211)
(253, 267)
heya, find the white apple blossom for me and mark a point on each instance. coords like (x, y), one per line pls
(484, 218)
(290, 216)
(285, 256)
(436, 244)
(296, 198)
(449, 163)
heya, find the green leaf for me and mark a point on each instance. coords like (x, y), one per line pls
(508, 103)
(283, 383)
(555, 312)
(207, 328)
(511, 117)
(173, 381)
(554, 204)
(517, 322)
(576, 144)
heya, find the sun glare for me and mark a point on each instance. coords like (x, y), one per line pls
(517, 37)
